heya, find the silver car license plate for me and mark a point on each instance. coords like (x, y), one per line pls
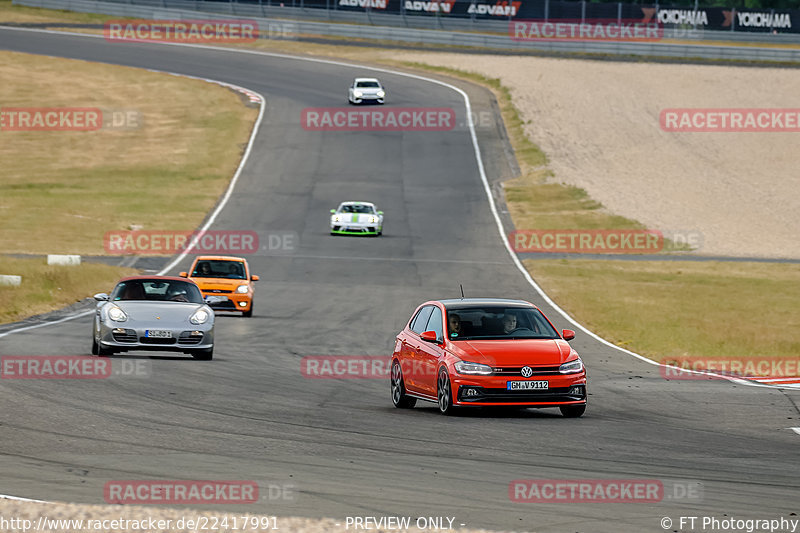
(158, 333)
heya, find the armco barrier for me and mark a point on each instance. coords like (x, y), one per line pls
(408, 19)
(154, 9)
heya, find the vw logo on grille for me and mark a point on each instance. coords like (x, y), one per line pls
(526, 371)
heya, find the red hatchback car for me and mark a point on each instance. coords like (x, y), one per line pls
(486, 352)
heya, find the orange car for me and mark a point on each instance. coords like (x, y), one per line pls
(225, 277)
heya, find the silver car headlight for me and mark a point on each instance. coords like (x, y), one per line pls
(199, 317)
(571, 367)
(358, 94)
(117, 315)
(464, 367)
(381, 94)
(242, 289)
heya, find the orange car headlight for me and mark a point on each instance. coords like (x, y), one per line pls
(242, 289)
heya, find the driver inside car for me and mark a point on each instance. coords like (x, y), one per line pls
(454, 324)
(133, 291)
(509, 322)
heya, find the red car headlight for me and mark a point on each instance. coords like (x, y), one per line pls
(464, 367)
(571, 367)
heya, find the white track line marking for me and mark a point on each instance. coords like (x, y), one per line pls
(253, 97)
(43, 324)
(17, 498)
(478, 159)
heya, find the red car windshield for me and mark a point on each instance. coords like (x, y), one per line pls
(491, 323)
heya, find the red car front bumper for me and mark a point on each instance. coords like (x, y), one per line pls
(562, 389)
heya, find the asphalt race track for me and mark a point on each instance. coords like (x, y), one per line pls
(345, 450)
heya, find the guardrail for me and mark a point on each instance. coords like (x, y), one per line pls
(409, 19)
(155, 9)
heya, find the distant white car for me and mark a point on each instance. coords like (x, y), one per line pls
(366, 90)
(356, 218)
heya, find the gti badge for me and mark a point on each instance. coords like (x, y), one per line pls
(526, 372)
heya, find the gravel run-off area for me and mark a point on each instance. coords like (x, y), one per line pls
(51, 517)
(598, 122)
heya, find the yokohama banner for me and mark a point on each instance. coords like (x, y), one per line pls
(704, 18)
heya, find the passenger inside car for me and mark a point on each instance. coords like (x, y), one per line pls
(236, 271)
(133, 291)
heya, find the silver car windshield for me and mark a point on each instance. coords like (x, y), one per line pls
(368, 85)
(157, 290)
(476, 323)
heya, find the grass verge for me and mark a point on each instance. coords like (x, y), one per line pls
(24, 14)
(667, 309)
(63, 190)
(46, 287)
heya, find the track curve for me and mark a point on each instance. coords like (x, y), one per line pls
(249, 414)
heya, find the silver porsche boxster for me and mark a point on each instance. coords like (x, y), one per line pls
(154, 313)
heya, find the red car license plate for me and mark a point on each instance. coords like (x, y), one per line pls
(527, 385)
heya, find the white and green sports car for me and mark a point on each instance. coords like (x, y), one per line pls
(356, 218)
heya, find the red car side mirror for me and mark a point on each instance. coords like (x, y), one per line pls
(184, 275)
(568, 334)
(429, 336)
